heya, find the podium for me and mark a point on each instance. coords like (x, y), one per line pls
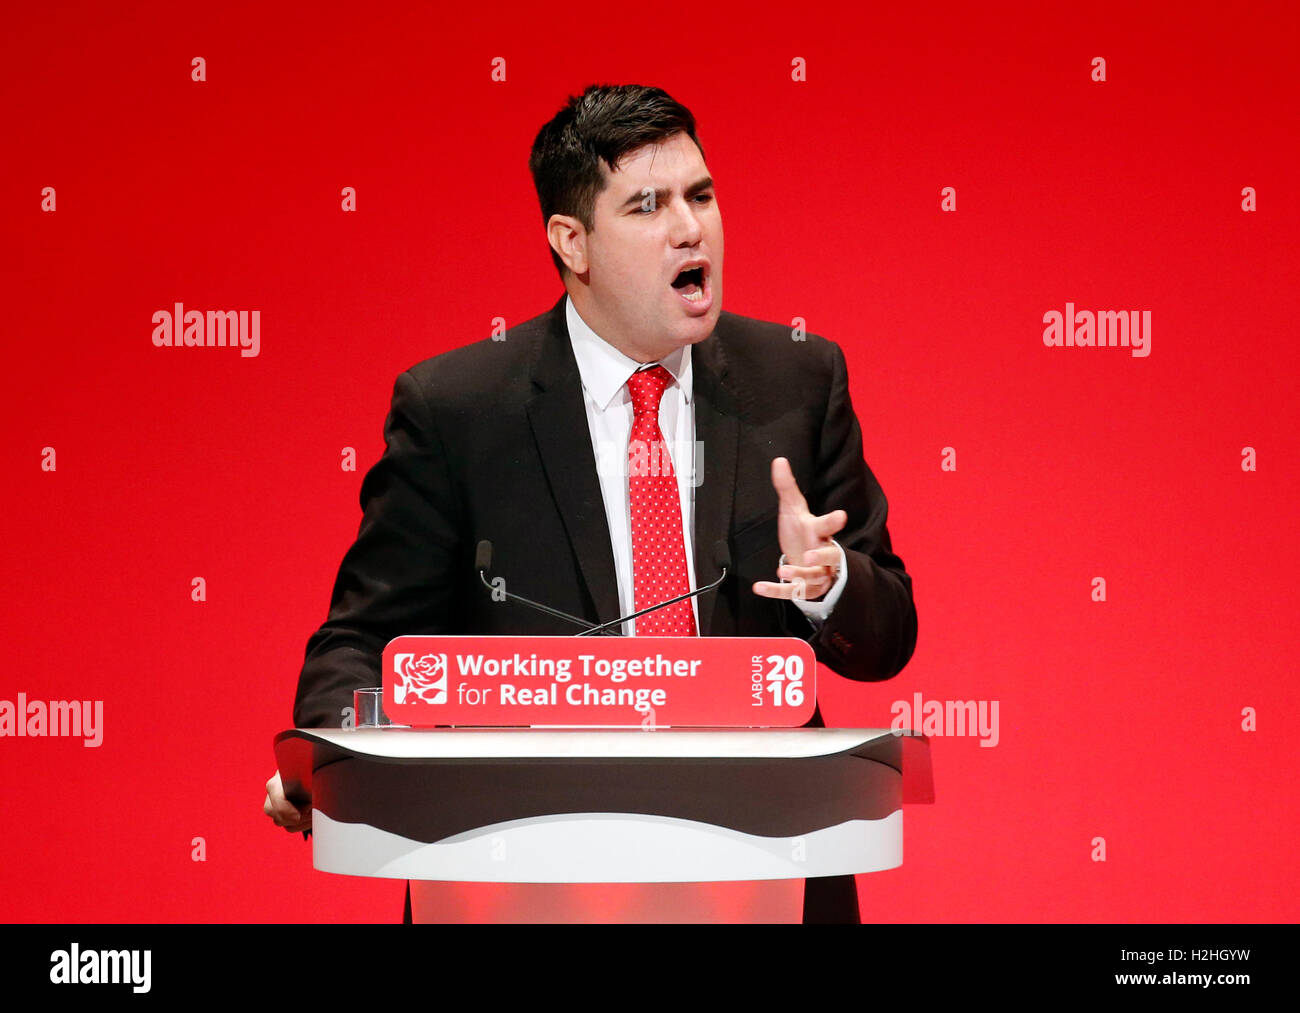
(766, 808)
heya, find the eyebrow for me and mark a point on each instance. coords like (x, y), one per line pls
(663, 193)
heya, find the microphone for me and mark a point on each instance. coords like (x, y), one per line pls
(721, 559)
(483, 563)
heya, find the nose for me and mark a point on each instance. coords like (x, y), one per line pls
(685, 229)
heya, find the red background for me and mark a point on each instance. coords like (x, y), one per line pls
(1119, 719)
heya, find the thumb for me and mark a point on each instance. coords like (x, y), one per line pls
(787, 489)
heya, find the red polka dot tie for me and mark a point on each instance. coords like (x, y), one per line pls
(658, 552)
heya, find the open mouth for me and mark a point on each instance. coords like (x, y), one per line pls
(690, 284)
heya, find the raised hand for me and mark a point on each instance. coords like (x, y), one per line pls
(810, 555)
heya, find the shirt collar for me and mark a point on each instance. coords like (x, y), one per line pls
(605, 370)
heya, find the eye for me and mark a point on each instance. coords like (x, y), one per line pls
(704, 197)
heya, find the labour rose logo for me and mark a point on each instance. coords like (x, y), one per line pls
(422, 681)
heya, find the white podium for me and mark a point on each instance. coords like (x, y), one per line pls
(763, 809)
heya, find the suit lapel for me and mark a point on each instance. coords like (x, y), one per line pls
(559, 420)
(717, 433)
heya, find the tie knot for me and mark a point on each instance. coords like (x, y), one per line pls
(647, 388)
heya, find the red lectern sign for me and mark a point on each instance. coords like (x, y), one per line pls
(736, 682)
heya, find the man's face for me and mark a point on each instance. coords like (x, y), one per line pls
(657, 215)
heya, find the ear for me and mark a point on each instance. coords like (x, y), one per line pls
(568, 238)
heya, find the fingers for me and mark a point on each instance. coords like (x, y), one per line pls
(797, 589)
(291, 819)
(829, 524)
(810, 572)
(787, 489)
(808, 584)
(293, 825)
(792, 501)
(809, 581)
(283, 812)
(812, 563)
(302, 824)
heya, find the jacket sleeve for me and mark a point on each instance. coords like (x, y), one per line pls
(397, 576)
(871, 632)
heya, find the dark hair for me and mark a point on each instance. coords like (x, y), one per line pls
(604, 123)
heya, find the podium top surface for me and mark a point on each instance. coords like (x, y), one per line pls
(399, 744)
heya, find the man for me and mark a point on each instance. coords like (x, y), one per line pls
(526, 442)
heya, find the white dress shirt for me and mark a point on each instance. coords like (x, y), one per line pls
(605, 371)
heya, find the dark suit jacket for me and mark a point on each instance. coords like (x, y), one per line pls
(490, 441)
